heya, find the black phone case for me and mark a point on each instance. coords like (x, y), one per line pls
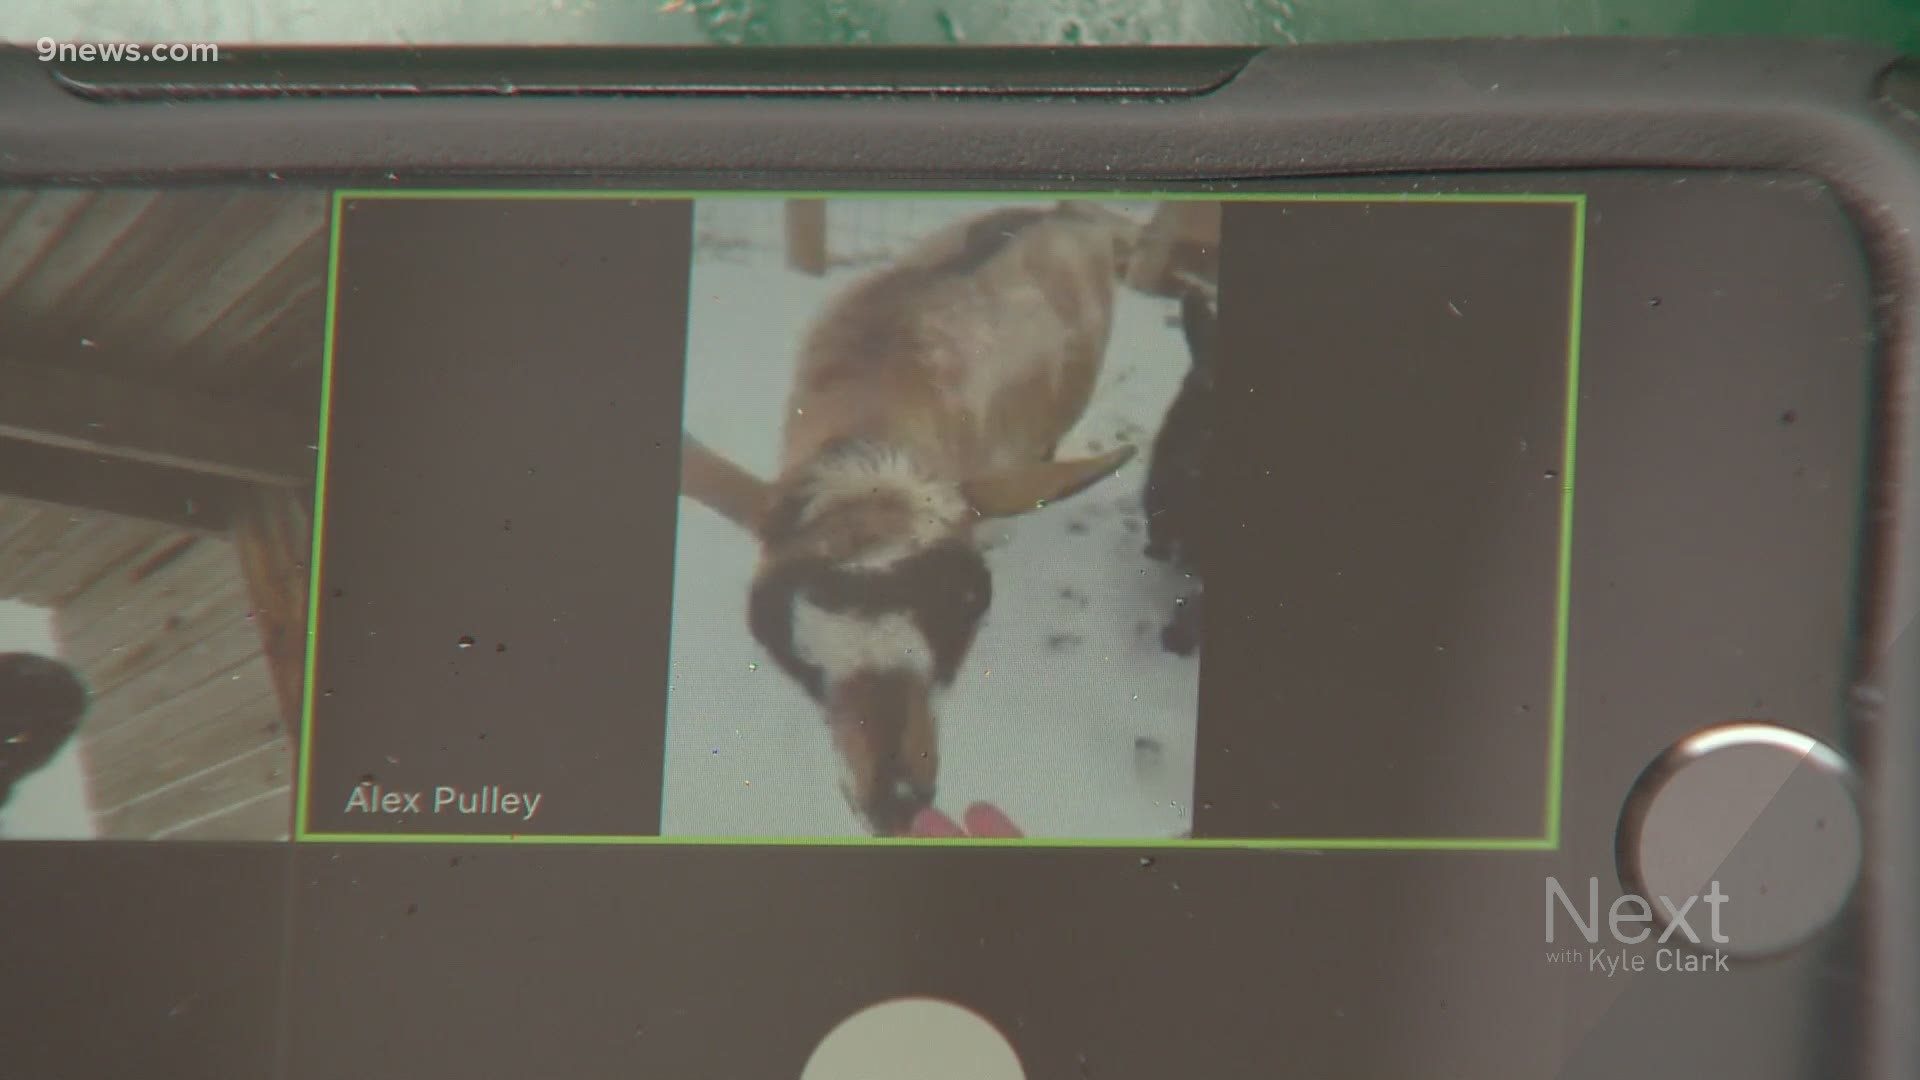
(1175, 120)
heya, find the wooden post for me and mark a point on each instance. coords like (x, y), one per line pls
(807, 236)
(274, 540)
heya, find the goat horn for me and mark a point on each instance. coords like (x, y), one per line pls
(1028, 487)
(718, 484)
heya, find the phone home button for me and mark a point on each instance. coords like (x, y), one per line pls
(1756, 825)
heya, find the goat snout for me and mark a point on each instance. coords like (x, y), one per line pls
(887, 737)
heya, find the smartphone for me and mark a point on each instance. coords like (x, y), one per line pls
(1009, 565)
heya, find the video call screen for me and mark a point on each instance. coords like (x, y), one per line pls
(832, 635)
(813, 519)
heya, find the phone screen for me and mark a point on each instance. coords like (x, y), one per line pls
(740, 597)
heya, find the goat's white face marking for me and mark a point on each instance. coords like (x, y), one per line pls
(842, 644)
(939, 507)
(886, 556)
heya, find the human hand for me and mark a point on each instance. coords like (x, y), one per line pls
(982, 820)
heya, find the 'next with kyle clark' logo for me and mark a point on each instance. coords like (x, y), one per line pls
(1629, 920)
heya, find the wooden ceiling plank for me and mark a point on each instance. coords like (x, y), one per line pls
(155, 656)
(90, 239)
(36, 233)
(106, 542)
(15, 515)
(177, 278)
(13, 204)
(297, 224)
(251, 353)
(144, 253)
(137, 583)
(181, 717)
(283, 362)
(17, 559)
(299, 279)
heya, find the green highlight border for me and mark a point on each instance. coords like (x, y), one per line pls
(1549, 838)
(310, 687)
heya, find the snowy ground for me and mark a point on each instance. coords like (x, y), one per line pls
(1069, 716)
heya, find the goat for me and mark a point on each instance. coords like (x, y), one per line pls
(1175, 498)
(41, 703)
(929, 395)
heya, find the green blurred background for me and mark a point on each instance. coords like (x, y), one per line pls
(922, 22)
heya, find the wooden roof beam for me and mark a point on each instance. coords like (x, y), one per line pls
(82, 482)
(178, 430)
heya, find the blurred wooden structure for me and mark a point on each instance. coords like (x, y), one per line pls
(160, 358)
(1181, 244)
(807, 236)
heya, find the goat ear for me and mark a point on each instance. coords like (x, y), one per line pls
(1028, 487)
(719, 484)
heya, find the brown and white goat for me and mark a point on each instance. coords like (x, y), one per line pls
(928, 396)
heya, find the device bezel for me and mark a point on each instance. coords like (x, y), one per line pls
(1839, 113)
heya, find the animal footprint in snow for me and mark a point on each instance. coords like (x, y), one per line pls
(1149, 758)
